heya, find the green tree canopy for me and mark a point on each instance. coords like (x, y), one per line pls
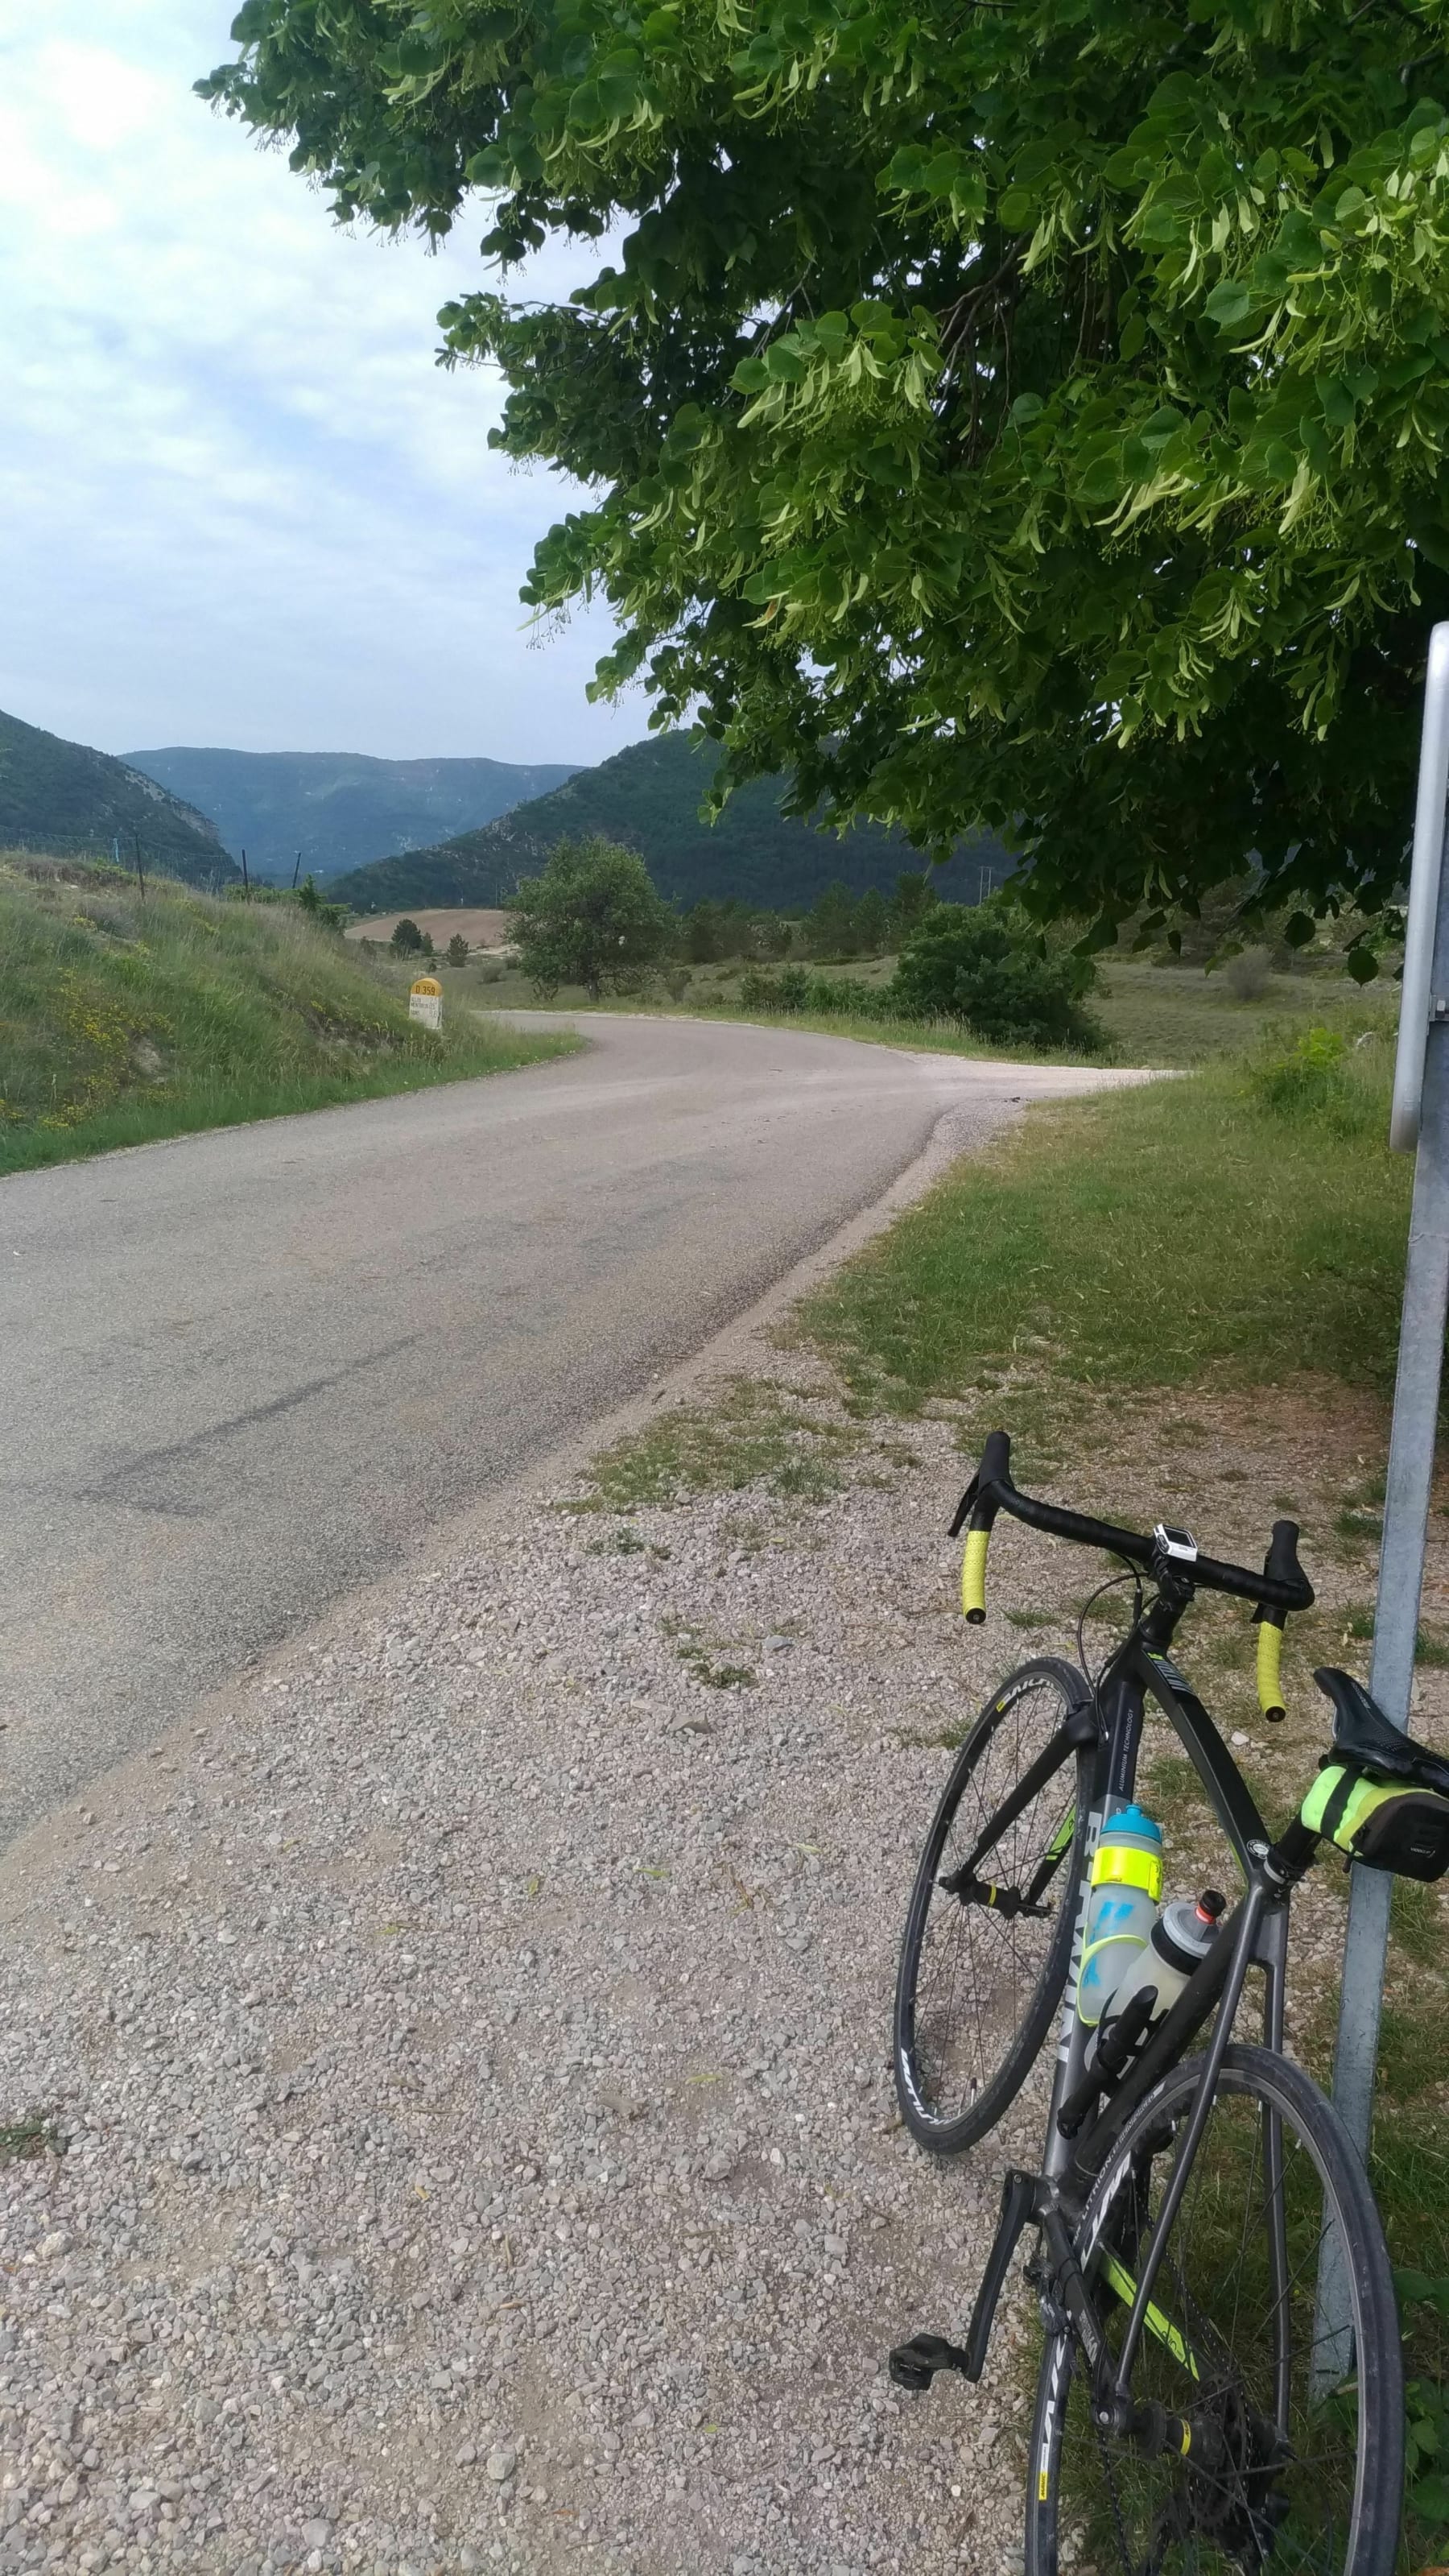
(1032, 412)
(989, 965)
(592, 918)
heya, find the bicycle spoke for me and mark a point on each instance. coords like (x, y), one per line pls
(979, 1969)
(1254, 2496)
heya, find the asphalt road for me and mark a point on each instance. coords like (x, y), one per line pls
(242, 1373)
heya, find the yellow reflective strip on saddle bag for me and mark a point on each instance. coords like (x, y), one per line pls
(1386, 1824)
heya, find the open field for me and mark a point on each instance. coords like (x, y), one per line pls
(1153, 1015)
(130, 1017)
(481, 925)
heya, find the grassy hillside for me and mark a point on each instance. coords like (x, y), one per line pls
(64, 792)
(122, 1020)
(340, 808)
(649, 797)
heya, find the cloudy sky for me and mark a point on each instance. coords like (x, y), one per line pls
(241, 505)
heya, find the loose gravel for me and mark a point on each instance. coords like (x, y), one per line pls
(470, 2055)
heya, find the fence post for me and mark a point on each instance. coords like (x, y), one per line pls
(1419, 1124)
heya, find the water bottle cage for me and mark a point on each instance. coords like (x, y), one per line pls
(1116, 2049)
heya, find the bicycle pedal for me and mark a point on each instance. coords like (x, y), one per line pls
(915, 2364)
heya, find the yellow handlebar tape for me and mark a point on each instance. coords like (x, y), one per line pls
(973, 1576)
(1270, 1656)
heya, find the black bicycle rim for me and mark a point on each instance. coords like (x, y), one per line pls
(1294, 2466)
(980, 1981)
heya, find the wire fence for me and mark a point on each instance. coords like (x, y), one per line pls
(125, 850)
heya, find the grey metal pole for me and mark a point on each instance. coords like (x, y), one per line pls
(1401, 1560)
(1421, 1119)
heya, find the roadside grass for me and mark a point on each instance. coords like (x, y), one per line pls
(124, 1019)
(1176, 1234)
(753, 1431)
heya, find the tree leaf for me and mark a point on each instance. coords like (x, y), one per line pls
(1229, 304)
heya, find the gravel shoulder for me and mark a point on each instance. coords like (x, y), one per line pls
(471, 2044)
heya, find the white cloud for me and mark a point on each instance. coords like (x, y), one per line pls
(242, 503)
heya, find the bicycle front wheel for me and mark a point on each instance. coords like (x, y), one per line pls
(989, 1930)
(1288, 2468)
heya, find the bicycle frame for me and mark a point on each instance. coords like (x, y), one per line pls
(1255, 1935)
(1142, 1667)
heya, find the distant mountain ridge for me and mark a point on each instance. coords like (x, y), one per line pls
(339, 808)
(67, 794)
(648, 796)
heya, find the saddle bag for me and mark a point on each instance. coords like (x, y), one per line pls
(1386, 1824)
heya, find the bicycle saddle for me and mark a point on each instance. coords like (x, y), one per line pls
(1363, 1734)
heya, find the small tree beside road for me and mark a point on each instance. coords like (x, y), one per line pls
(457, 950)
(988, 964)
(592, 918)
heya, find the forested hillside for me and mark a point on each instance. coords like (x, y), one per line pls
(64, 794)
(341, 808)
(649, 798)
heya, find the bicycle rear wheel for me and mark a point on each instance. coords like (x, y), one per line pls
(1280, 2474)
(989, 1930)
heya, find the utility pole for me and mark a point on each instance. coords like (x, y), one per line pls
(246, 880)
(296, 871)
(140, 875)
(1419, 1125)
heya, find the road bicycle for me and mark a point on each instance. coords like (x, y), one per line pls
(1195, 2412)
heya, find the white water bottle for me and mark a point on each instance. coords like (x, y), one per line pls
(1178, 1942)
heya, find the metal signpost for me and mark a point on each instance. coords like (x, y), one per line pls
(1419, 1125)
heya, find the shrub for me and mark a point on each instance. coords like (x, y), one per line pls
(407, 939)
(1246, 975)
(325, 916)
(1322, 1081)
(787, 991)
(795, 989)
(457, 950)
(988, 964)
(1300, 1079)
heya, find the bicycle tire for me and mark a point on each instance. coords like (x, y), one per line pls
(1090, 2500)
(941, 2113)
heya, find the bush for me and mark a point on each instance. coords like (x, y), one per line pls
(988, 964)
(407, 939)
(1246, 975)
(1319, 1081)
(787, 991)
(795, 989)
(457, 950)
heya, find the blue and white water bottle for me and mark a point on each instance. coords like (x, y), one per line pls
(1126, 1892)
